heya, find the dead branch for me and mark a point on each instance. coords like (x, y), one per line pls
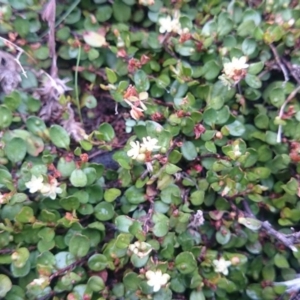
(280, 64)
(287, 240)
(288, 99)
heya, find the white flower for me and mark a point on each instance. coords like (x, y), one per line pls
(221, 265)
(149, 144)
(165, 24)
(141, 249)
(225, 191)
(197, 219)
(51, 189)
(2, 198)
(35, 184)
(235, 68)
(135, 150)
(38, 281)
(157, 279)
(236, 151)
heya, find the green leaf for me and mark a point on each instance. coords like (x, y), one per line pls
(59, 137)
(21, 26)
(69, 203)
(249, 46)
(255, 68)
(94, 39)
(79, 245)
(112, 194)
(197, 197)
(211, 70)
(172, 169)
(20, 257)
(65, 167)
(78, 178)
(104, 211)
(13, 100)
(111, 76)
(63, 259)
(253, 81)
(15, 150)
(97, 262)
(277, 97)
(250, 223)
(185, 262)
(121, 11)
(5, 117)
(281, 261)
(223, 235)
(236, 128)
(89, 101)
(261, 121)
(135, 195)
(37, 126)
(141, 81)
(197, 295)
(107, 132)
(5, 285)
(189, 150)
(103, 13)
(96, 283)
(161, 224)
(123, 223)
(25, 215)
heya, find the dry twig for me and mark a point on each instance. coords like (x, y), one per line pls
(282, 108)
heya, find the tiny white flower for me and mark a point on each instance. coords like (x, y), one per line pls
(2, 198)
(141, 249)
(38, 281)
(198, 218)
(149, 144)
(291, 22)
(134, 151)
(225, 191)
(35, 184)
(51, 189)
(156, 279)
(232, 69)
(166, 24)
(236, 151)
(221, 265)
(176, 26)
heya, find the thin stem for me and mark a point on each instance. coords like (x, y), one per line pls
(280, 64)
(63, 17)
(76, 85)
(282, 108)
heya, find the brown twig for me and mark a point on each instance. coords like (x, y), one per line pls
(286, 240)
(280, 64)
(283, 238)
(292, 70)
(8, 251)
(288, 99)
(72, 266)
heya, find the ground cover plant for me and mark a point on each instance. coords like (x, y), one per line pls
(149, 149)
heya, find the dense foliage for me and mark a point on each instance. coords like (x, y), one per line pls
(194, 106)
